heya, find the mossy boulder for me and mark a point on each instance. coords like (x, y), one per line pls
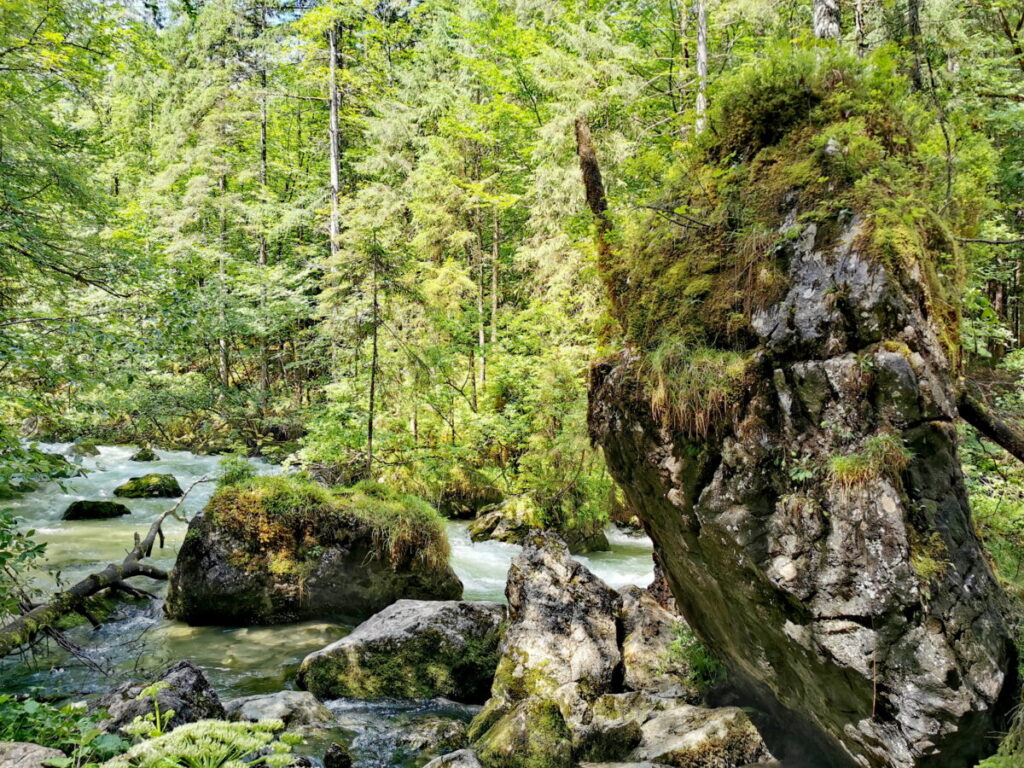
(145, 454)
(94, 510)
(151, 486)
(271, 550)
(413, 649)
(464, 491)
(694, 737)
(83, 448)
(516, 519)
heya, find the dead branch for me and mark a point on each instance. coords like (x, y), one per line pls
(41, 619)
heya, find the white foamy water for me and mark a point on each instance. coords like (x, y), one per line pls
(138, 640)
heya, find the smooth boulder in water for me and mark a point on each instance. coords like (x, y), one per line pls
(84, 448)
(273, 550)
(152, 486)
(413, 649)
(94, 510)
(290, 707)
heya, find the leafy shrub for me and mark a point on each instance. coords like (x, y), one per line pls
(235, 469)
(212, 744)
(69, 729)
(689, 652)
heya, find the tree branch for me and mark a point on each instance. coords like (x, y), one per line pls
(1005, 435)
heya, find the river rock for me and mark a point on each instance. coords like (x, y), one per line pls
(649, 660)
(412, 649)
(694, 736)
(857, 608)
(290, 707)
(188, 694)
(94, 510)
(337, 756)
(511, 522)
(22, 754)
(84, 448)
(151, 486)
(433, 735)
(145, 454)
(463, 758)
(318, 563)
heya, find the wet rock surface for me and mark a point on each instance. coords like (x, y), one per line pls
(463, 758)
(412, 649)
(290, 707)
(187, 693)
(820, 540)
(94, 510)
(573, 650)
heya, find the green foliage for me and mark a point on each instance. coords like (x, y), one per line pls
(152, 724)
(212, 744)
(18, 551)
(235, 470)
(70, 729)
(686, 651)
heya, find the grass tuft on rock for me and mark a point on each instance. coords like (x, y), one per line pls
(882, 455)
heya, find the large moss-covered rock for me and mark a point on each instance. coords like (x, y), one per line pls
(278, 549)
(83, 448)
(412, 649)
(784, 424)
(94, 510)
(464, 491)
(152, 486)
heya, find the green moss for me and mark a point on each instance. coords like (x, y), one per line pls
(287, 519)
(740, 745)
(533, 735)
(153, 485)
(928, 556)
(796, 137)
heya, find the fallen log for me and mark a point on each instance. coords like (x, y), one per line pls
(1005, 435)
(40, 619)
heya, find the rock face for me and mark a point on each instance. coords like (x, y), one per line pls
(151, 486)
(562, 692)
(94, 510)
(188, 694)
(647, 633)
(216, 580)
(21, 754)
(290, 707)
(412, 649)
(820, 540)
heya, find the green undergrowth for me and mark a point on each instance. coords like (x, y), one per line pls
(286, 520)
(882, 455)
(797, 137)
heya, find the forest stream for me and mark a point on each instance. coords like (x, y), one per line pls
(138, 641)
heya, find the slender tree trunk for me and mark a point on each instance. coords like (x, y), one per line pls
(262, 257)
(495, 254)
(480, 336)
(333, 143)
(374, 359)
(859, 21)
(702, 65)
(222, 342)
(827, 20)
(914, 31)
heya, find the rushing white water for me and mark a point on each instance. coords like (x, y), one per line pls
(138, 640)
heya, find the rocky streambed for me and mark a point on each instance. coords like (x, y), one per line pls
(137, 642)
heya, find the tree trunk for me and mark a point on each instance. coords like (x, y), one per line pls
(859, 21)
(373, 373)
(222, 342)
(332, 138)
(262, 256)
(914, 31)
(827, 19)
(495, 253)
(702, 65)
(1005, 435)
